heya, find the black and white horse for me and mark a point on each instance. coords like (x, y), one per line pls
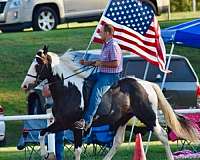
(130, 97)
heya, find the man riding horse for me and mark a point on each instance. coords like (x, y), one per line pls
(110, 66)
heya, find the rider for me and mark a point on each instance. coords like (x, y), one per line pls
(110, 66)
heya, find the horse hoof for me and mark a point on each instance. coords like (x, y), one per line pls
(50, 156)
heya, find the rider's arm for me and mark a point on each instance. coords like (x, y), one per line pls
(109, 64)
(87, 63)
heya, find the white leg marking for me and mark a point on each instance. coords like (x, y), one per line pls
(78, 153)
(43, 150)
(162, 136)
(118, 139)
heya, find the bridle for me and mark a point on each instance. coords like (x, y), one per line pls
(37, 77)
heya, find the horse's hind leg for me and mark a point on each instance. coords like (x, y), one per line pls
(162, 136)
(118, 139)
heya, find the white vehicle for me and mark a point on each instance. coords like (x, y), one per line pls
(16, 15)
(2, 127)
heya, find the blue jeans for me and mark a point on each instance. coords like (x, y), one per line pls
(59, 145)
(103, 82)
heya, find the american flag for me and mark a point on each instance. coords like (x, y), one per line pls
(136, 29)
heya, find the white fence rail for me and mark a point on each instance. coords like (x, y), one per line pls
(48, 117)
(25, 117)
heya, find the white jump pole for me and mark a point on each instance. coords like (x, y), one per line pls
(48, 116)
(25, 117)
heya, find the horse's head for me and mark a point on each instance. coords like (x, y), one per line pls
(39, 70)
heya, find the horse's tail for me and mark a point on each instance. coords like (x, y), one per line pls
(182, 127)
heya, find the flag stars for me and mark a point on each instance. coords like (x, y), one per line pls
(130, 14)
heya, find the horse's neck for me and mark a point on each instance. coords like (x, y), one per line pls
(57, 86)
(67, 68)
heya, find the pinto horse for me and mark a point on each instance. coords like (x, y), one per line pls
(129, 97)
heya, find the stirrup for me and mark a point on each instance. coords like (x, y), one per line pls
(80, 124)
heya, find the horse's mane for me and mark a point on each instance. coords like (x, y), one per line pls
(61, 65)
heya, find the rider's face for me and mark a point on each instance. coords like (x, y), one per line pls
(103, 34)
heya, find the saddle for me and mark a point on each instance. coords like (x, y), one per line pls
(105, 107)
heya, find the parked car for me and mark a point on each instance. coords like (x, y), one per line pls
(2, 128)
(181, 88)
(16, 15)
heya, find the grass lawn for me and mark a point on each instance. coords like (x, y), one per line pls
(16, 54)
(124, 153)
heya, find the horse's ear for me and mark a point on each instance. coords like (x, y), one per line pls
(45, 49)
(62, 77)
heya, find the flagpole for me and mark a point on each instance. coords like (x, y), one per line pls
(168, 62)
(104, 12)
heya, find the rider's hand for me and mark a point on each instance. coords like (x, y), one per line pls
(82, 62)
(98, 63)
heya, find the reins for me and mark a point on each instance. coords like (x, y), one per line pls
(90, 67)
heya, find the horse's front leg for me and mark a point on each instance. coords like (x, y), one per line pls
(42, 136)
(53, 128)
(78, 143)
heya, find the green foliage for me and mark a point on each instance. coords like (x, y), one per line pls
(181, 5)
